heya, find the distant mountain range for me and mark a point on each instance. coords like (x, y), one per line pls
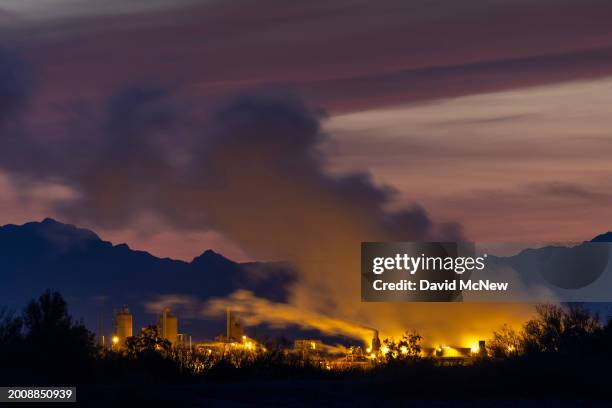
(96, 276)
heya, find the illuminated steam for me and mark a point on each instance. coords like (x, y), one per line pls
(253, 311)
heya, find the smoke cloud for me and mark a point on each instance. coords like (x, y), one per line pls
(253, 171)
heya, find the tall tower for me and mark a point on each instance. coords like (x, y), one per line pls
(234, 329)
(168, 326)
(375, 342)
(123, 327)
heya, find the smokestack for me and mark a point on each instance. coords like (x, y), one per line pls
(235, 331)
(375, 342)
(100, 331)
(228, 323)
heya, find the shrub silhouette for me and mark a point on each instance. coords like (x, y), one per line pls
(556, 329)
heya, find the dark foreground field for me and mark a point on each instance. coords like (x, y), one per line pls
(562, 357)
(301, 393)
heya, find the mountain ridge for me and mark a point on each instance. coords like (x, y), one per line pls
(48, 254)
(97, 276)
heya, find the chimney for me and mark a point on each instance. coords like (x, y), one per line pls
(229, 324)
(375, 342)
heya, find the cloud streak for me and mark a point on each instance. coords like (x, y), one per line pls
(345, 56)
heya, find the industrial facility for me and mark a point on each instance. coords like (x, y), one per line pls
(123, 327)
(167, 328)
(235, 340)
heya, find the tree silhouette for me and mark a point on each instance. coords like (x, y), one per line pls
(505, 343)
(407, 347)
(148, 341)
(57, 346)
(558, 329)
(11, 345)
(10, 329)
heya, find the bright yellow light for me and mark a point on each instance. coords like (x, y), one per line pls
(384, 350)
(368, 350)
(510, 348)
(243, 337)
(404, 350)
(474, 348)
(313, 345)
(115, 339)
(372, 356)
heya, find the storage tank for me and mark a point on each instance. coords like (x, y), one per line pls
(168, 326)
(123, 327)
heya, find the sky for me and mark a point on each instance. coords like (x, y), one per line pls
(492, 116)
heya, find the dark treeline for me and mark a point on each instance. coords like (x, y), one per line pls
(563, 352)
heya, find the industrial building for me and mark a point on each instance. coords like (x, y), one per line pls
(234, 330)
(455, 355)
(235, 340)
(309, 349)
(123, 327)
(167, 328)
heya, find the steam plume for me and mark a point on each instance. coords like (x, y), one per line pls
(254, 172)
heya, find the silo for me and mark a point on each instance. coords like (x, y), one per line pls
(168, 326)
(123, 326)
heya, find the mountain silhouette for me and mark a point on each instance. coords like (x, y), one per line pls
(96, 276)
(606, 237)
